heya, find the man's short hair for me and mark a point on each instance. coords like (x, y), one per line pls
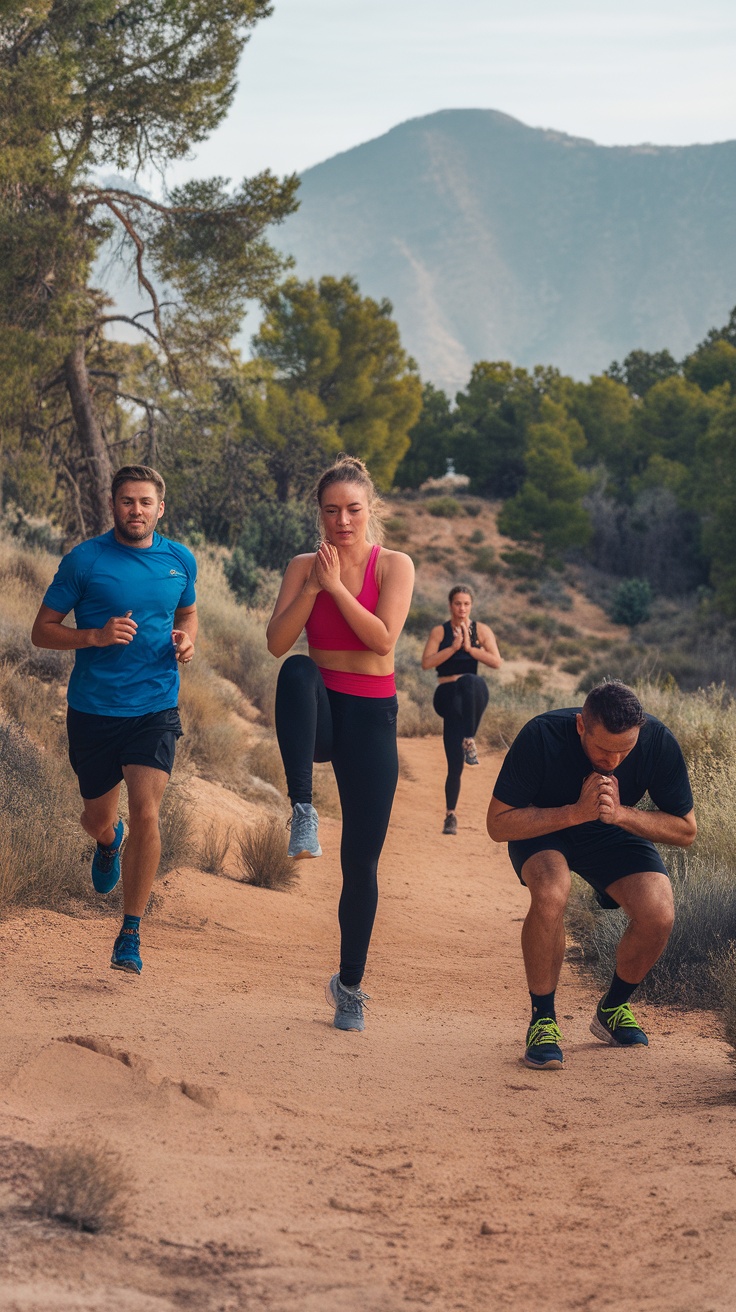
(614, 706)
(139, 474)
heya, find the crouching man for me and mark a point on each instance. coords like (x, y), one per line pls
(565, 799)
(132, 593)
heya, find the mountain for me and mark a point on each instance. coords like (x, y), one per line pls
(494, 240)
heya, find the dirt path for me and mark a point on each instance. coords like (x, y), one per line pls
(285, 1166)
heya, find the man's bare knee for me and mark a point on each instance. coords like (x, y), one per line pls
(547, 876)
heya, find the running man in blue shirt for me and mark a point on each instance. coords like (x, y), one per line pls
(132, 593)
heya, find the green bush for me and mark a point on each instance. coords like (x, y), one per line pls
(484, 561)
(632, 601)
(272, 533)
(444, 507)
(522, 564)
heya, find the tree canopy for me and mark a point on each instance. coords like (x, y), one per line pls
(344, 349)
(129, 84)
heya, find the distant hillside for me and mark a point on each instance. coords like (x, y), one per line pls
(494, 240)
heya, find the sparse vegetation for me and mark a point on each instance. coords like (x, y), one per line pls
(42, 849)
(84, 1185)
(444, 507)
(261, 856)
(264, 761)
(213, 848)
(175, 823)
(724, 973)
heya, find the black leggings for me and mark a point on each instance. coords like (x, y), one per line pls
(358, 735)
(461, 705)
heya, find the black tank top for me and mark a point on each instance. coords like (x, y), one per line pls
(461, 662)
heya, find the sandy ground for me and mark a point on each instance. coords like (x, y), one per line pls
(283, 1165)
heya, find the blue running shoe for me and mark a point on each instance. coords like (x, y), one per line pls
(126, 952)
(348, 1004)
(618, 1027)
(106, 863)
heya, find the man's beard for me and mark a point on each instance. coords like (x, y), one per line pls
(135, 532)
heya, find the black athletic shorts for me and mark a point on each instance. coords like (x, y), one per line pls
(600, 857)
(100, 745)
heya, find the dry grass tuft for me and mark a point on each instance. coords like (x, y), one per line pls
(84, 1185)
(724, 974)
(175, 824)
(262, 856)
(213, 848)
(43, 852)
(264, 761)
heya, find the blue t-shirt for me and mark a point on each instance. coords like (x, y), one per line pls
(103, 577)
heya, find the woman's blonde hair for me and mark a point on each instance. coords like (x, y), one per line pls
(350, 469)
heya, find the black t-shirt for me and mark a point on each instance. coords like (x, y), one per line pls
(546, 765)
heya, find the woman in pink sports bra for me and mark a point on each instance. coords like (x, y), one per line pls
(339, 703)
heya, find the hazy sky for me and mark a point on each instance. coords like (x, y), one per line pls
(320, 76)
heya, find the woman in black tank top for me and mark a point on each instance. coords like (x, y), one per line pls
(454, 650)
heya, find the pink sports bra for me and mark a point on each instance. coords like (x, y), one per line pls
(327, 629)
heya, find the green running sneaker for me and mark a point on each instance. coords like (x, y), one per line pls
(543, 1051)
(618, 1027)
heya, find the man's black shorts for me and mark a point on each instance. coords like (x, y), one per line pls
(100, 745)
(600, 855)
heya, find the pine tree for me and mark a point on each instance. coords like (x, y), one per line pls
(125, 85)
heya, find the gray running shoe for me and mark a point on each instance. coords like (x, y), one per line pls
(303, 841)
(469, 752)
(348, 1004)
(450, 825)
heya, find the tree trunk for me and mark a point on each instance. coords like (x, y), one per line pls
(93, 448)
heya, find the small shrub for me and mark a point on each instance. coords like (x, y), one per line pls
(243, 575)
(42, 863)
(175, 824)
(261, 856)
(212, 735)
(522, 564)
(632, 602)
(213, 848)
(264, 761)
(444, 507)
(420, 620)
(724, 976)
(484, 561)
(84, 1185)
(397, 530)
(476, 536)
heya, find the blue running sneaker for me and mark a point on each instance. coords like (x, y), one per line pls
(106, 863)
(543, 1051)
(126, 952)
(348, 1004)
(303, 840)
(618, 1027)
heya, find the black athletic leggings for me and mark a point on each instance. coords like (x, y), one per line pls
(461, 705)
(358, 735)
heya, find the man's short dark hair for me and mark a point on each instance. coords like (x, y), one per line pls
(139, 474)
(614, 706)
